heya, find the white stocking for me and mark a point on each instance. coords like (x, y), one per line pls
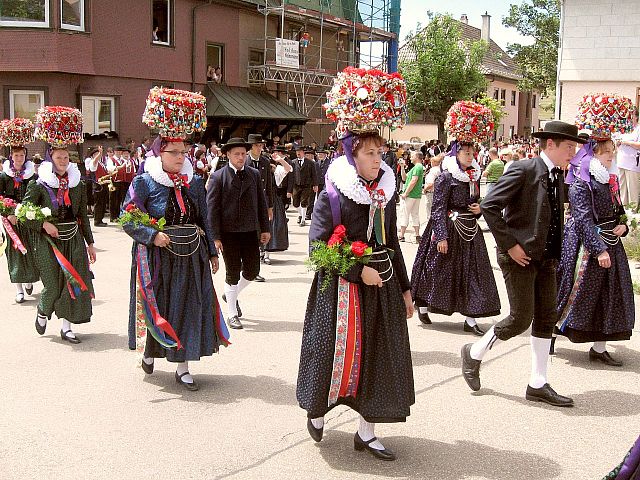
(539, 361)
(471, 321)
(301, 212)
(366, 431)
(304, 213)
(242, 284)
(19, 288)
(482, 346)
(184, 368)
(231, 292)
(66, 327)
(424, 309)
(600, 347)
(42, 320)
(317, 423)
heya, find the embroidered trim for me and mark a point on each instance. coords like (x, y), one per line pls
(450, 164)
(345, 177)
(29, 169)
(153, 166)
(598, 171)
(46, 175)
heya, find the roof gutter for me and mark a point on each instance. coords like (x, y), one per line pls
(193, 42)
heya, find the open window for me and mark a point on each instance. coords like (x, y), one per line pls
(99, 114)
(161, 26)
(32, 13)
(215, 62)
(25, 103)
(72, 15)
(513, 98)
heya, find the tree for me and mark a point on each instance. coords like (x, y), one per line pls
(442, 69)
(538, 63)
(496, 108)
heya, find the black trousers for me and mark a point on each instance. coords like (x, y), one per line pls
(302, 196)
(241, 253)
(116, 198)
(532, 294)
(101, 197)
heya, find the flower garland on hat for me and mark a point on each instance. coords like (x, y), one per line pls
(59, 126)
(605, 114)
(469, 122)
(175, 113)
(16, 132)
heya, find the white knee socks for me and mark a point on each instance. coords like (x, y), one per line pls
(539, 361)
(242, 284)
(66, 327)
(19, 288)
(471, 321)
(600, 347)
(231, 292)
(423, 309)
(366, 431)
(482, 346)
(184, 368)
(317, 423)
(42, 320)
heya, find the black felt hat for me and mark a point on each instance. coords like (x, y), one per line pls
(255, 138)
(235, 142)
(561, 130)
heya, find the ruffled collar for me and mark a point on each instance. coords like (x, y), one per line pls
(153, 166)
(345, 177)
(48, 177)
(598, 171)
(29, 169)
(450, 164)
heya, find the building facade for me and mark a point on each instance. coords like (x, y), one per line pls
(599, 52)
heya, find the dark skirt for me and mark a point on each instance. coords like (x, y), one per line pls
(185, 297)
(22, 268)
(602, 305)
(279, 230)
(385, 389)
(460, 281)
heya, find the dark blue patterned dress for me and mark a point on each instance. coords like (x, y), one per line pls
(462, 280)
(601, 307)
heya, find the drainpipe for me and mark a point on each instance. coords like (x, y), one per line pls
(558, 110)
(193, 42)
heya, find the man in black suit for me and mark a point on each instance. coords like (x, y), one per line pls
(389, 157)
(239, 218)
(305, 181)
(257, 160)
(525, 212)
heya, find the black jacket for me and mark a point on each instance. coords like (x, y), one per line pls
(305, 175)
(522, 194)
(236, 205)
(266, 176)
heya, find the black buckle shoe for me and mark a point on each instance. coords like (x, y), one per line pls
(259, 279)
(316, 433)
(424, 317)
(470, 368)
(476, 330)
(41, 328)
(359, 445)
(224, 299)
(546, 394)
(29, 290)
(603, 357)
(67, 338)
(147, 367)
(234, 322)
(192, 387)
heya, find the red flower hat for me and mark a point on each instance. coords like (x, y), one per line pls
(469, 122)
(59, 126)
(604, 114)
(175, 113)
(17, 132)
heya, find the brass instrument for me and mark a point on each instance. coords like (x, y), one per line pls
(108, 178)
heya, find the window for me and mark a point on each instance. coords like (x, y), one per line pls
(161, 28)
(512, 131)
(34, 13)
(25, 103)
(513, 98)
(256, 57)
(533, 102)
(72, 17)
(496, 93)
(215, 60)
(99, 114)
(503, 96)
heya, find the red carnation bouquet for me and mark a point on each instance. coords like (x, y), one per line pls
(338, 255)
(7, 206)
(133, 214)
(469, 122)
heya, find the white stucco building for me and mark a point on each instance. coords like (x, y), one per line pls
(599, 51)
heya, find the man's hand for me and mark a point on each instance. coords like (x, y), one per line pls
(218, 244)
(443, 246)
(270, 213)
(161, 240)
(604, 260)
(289, 195)
(265, 237)
(315, 188)
(215, 264)
(474, 208)
(519, 256)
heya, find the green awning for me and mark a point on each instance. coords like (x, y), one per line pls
(247, 103)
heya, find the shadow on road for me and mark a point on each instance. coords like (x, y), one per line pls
(455, 328)
(446, 359)
(299, 279)
(578, 356)
(271, 326)
(91, 342)
(424, 458)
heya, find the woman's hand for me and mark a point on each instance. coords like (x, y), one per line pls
(604, 260)
(475, 208)
(443, 246)
(161, 240)
(218, 244)
(408, 303)
(51, 229)
(215, 264)
(91, 252)
(370, 276)
(13, 219)
(619, 231)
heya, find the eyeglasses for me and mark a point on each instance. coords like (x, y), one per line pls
(177, 153)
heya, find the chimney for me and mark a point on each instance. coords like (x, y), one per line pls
(464, 19)
(486, 27)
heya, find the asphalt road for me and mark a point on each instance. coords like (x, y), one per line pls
(87, 412)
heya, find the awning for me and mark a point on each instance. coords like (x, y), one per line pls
(250, 104)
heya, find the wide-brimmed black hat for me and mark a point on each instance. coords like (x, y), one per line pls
(558, 129)
(323, 150)
(119, 148)
(235, 142)
(308, 149)
(280, 148)
(255, 138)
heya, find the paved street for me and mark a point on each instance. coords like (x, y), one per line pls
(86, 411)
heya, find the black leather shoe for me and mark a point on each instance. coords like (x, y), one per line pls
(234, 322)
(19, 297)
(316, 433)
(470, 368)
(359, 445)
(40, 328)
(424, 317)
(67, 338)
(224, 299)
(147, 367)
(603, 357)
(99, 224)
(29, 290)
(299, 220)
(191, 386)
(259, 279)
(476, 330)
(552, 347)
(548, 395)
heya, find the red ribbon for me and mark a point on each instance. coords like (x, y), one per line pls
(17, 243)
(179, 181)
(63, 190)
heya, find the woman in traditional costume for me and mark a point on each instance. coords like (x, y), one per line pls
(595, 291)
(355, 344)
(17, 173)
(279, 241)
(63, 245)
(452, 272)
(174, 312)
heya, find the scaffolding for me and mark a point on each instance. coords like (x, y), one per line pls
(338, 33)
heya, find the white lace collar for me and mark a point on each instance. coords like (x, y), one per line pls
(598, 171)
(46, 175)
(345, 177)
(29, 169)
(450, 164)
(153, 166)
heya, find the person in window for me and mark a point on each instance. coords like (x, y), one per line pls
(154, 34)
(210, 73)
(217, 75)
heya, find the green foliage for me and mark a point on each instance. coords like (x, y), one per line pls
(496, 108)
(137, 217)
(23, 9)
(29, 211)
(539, 19)
(446, 69)
(335, 260)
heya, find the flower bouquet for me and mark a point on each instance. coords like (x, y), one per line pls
(29, 211)
(338, 255)
(469, 122)
(133, 214)
(7, 206)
